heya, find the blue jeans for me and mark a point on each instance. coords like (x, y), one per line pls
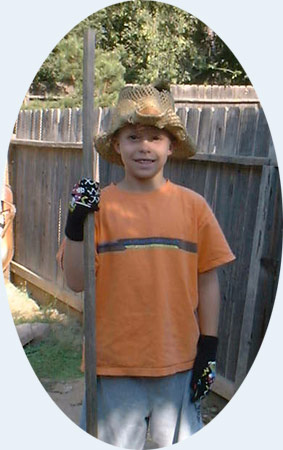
(127, 406)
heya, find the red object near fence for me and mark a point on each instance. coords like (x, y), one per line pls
(7, 214)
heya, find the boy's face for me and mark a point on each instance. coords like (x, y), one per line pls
(143, 149)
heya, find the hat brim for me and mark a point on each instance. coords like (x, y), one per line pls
(184, 148)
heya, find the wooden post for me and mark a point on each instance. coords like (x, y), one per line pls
(89, 170)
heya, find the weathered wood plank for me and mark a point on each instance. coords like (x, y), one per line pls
(64, 125)
(36, 124)
(20, 194)
(56, 117)
(204, 130)
(223, 387)
(186, 93)
(269, 267)
(263, 136)
(241, 224)
(207, 92)
(66, 296)
(54, 224)
(231, 130)
(248, 230)
(45, 144)
(61, 204)
(106, 115)
(182, 113)
(24, 124)
(193, 123)
(238, 160)
(217, 131)
(47, 125)
(254, 273)
(210, 184)
(247, 129)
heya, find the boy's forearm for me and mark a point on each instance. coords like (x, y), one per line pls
(209, 302)
(74, 265)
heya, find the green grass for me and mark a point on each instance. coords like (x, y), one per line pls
(58, 357)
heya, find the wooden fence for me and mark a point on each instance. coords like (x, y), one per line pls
(214, 95)
(236, 171)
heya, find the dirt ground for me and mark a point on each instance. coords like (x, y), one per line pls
(68, 394)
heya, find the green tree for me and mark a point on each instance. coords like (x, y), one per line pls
(139, 42)
(109, 77)
(62, 75)
(159, 40)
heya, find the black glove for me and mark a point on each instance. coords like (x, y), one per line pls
(204, 367)
(85, 199)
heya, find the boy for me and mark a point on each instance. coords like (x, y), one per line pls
(157, 248)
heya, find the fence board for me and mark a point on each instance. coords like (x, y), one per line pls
(68, 297)
(210, 184)
(204, 129)
(47, 125)
(47, 217)
(36, 122)
(246, 226)
(254, 275)
(231, 130)
(75, 125)
(34, 197)
(182, 112)
(235, 219)
(24, 124)
(247, 129)
(269, 267)
(263, 137)
(192, 124)
(208, 92)
(218, 131)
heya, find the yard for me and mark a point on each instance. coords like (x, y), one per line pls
(56, 355)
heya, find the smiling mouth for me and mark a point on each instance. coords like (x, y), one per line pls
(144, 161)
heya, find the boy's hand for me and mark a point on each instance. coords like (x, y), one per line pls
(204, 367)
(85, 199)
(85, 193)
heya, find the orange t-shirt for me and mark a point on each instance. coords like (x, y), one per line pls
(150, 248)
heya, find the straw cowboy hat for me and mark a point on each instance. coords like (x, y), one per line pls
(146, 105)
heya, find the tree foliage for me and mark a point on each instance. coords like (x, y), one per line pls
(139, 42)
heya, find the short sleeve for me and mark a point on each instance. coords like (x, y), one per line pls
(213, 248)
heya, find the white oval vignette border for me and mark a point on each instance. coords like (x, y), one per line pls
(30, 419)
